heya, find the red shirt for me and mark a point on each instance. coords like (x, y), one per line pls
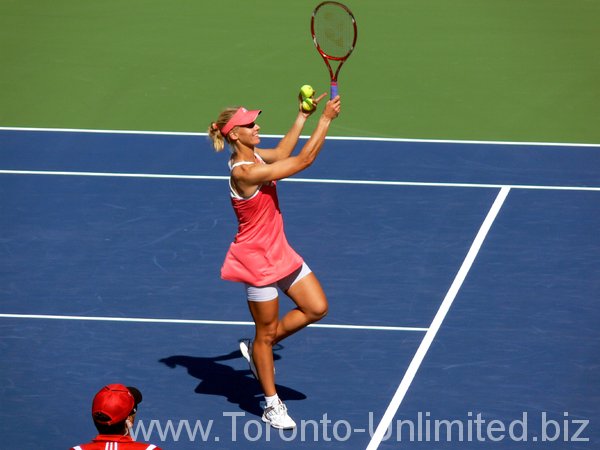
(114, 442)
(260, 253)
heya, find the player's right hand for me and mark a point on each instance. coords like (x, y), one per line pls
(333, 108)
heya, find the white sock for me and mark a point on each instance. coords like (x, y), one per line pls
(271, 400)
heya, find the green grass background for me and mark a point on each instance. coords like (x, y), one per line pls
(524, 70)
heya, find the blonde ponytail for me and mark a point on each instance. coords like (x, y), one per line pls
(214, 134)
(214, 129)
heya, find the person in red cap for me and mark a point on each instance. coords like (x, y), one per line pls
(113, 411)
(260, 256)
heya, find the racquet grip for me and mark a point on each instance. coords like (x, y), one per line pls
(334, 90)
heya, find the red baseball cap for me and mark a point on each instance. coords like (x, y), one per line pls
(114, 402)
(241, 117)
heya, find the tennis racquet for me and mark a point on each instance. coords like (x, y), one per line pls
(334, 32)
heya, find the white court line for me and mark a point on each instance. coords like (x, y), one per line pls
(198, 322)
(84, 130)
(437, 321)
(113, 174)
(431, 184)
(277, 136)
(300, 180)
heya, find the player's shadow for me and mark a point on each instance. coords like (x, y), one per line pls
(237, 386)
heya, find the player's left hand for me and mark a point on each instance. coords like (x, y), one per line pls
(315, 102)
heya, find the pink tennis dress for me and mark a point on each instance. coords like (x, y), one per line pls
(260, 253)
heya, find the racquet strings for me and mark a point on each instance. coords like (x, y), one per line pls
(334, 30)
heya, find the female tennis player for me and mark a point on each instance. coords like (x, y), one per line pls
(260, 255)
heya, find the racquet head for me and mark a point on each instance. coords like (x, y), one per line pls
(334, 34)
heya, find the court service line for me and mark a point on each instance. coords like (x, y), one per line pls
(198, 322)
(437, 321)
(279, 136)
(113, 174)
(438, 184)
(301, 180)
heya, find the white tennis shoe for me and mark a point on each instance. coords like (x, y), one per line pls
(246, 349)
(277, 416)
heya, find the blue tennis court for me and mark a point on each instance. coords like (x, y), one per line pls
(463, 281)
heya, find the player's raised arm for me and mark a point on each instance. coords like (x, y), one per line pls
(256, 174)
(307, 105)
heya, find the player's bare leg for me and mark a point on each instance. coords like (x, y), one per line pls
(312, 306)
(265, 315)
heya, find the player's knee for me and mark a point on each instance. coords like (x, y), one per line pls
(318, 311)
(266, 334)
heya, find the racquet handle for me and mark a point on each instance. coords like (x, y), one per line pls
(334, 90)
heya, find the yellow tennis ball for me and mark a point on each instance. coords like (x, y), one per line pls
(307, 91)
(308, 104)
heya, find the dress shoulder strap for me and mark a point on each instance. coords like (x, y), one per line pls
(239, 163)
(257, 159)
